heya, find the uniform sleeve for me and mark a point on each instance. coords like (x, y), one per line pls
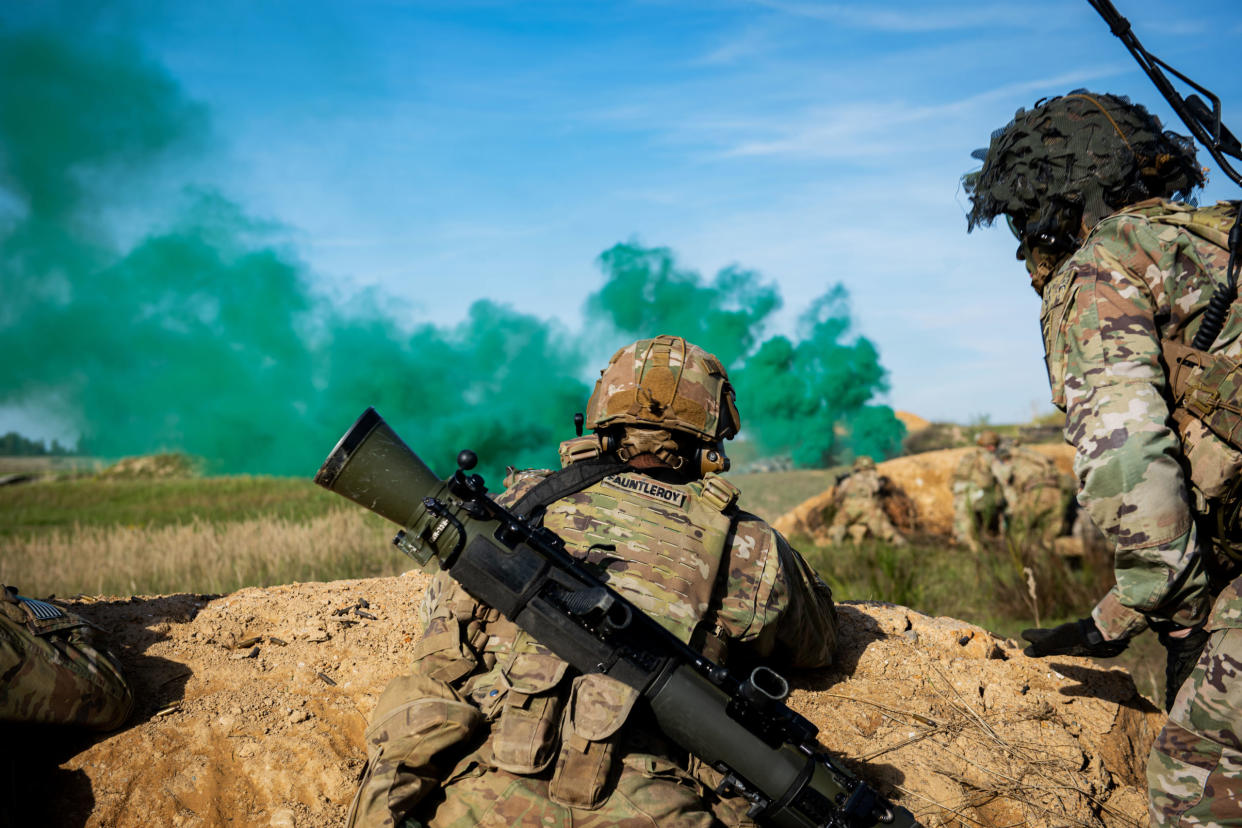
(1127, 456)
(773, 602)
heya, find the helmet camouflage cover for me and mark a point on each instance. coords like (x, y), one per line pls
(1078, 157)
(667, 383)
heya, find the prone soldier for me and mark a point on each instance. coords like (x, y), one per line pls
(54, 670)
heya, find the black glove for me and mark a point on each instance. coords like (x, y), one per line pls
(1181, 656)
(1074, 638)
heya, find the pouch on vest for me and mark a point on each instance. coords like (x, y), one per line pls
(1209, 387)
(440, 654)
(598, 707)
(524, 736)
(416, 720)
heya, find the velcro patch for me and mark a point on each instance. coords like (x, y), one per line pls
(40, 609)
(649, 489)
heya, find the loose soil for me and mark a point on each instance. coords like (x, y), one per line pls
(252, 706)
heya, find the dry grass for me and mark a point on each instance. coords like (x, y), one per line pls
(200, 556)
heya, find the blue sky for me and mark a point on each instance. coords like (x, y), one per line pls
(446, 152)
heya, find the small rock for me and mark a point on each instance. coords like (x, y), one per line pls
(298, 716)
(253, 652)
(282, 819)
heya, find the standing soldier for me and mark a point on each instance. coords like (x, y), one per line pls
(860, 506)
(1034, 495)
(1125, 275)
(977, 498)
(492, 728)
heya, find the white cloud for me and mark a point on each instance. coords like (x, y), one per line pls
(907, 19)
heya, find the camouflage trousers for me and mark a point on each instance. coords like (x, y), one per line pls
(975, 510)
(52, 672)
(1194, 774)
(648, 792)
(1037, 517)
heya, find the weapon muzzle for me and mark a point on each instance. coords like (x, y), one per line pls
(373, 467)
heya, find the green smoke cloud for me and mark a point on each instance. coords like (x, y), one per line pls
(807, 398)
(211, 337)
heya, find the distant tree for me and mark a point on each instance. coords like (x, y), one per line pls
(13, 444)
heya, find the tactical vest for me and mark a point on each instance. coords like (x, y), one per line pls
(1205, 389)
(661, 545)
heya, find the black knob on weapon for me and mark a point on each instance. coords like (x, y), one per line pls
(467, 459)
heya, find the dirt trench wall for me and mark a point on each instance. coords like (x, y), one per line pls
(925, 478)
(252, 707)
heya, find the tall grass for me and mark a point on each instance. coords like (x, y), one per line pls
(200, 555)
(991, 589)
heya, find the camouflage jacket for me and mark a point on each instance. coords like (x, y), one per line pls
(1028, 470)
(718, 578)
(1139, 278)
(863, 485)
(976, 469)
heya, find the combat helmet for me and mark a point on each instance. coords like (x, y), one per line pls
(1069, 162)
(668, 385)
(863, 463)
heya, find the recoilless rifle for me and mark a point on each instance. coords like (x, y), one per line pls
(742, 727)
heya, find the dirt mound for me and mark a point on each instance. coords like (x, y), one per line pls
(926, 480)
(912, 422)
(152, 467)
(252, 708)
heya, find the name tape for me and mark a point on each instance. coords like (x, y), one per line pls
(648, 488)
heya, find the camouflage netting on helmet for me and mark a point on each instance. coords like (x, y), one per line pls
(1081, 155)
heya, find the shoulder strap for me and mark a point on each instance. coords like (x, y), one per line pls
(719, 493)
(1209, 223)
(569, 480)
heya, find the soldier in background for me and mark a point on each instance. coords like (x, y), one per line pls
(859, 501)
(1125, 275)
(978, 501)
(493, 729)
(1035, 493)
(53, 670)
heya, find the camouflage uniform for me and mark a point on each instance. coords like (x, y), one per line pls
(493, 729)
(860, 509)
(977, 498)
(1139, 279)
(1126, 277)
(52, 671)
(1034, 495)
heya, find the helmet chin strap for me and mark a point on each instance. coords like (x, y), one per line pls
(1042, 262)
(652, 447)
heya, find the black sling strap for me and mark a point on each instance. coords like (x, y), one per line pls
(569, 480)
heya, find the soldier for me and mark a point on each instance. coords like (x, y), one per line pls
(52, 669)
(1125, 275)
(1034, 495)
(493, 729)
(977, 498)
(860, 506)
